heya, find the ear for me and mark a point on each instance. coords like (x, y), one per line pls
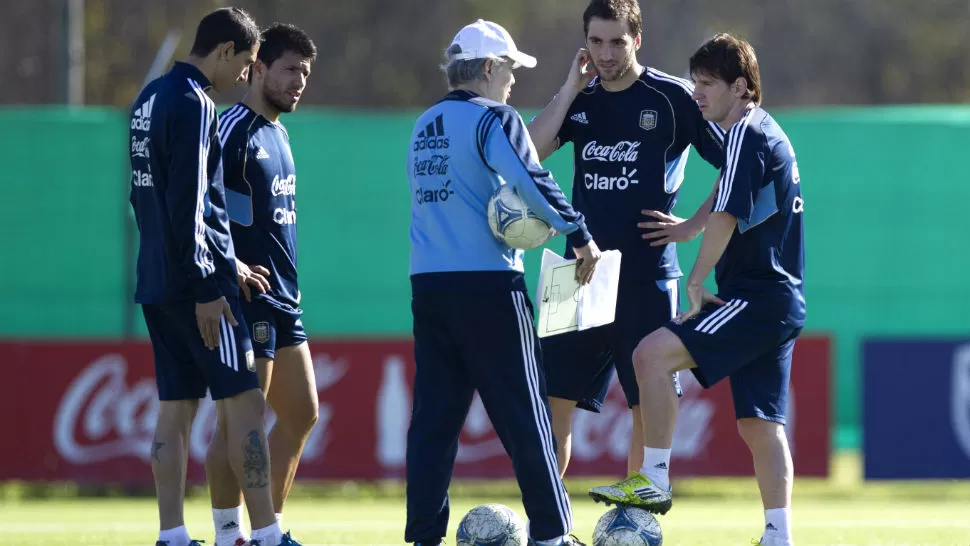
(636, 43)
(227, 50)
(488, 67)
(739, 87)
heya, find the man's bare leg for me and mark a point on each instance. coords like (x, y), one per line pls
(562, 428)
(170, 457)
(293, 397)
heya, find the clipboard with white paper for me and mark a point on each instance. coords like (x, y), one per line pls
(567, 306)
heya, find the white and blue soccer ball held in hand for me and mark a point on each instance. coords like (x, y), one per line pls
(514, 223)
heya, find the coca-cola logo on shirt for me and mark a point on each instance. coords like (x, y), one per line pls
(283, 186)
(622, 151)
(436, 165)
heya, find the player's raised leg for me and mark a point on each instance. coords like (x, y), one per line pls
(659, 355)
(293, 397)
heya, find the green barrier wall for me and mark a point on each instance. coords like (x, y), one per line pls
(885, 192)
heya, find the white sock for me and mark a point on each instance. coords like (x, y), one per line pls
(269, 536)
(656, 466)
(778, 524)
(551, 542)
(229, 525)
(178, 536)
(279, 519)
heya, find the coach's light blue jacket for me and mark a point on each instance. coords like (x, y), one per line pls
(462, 150)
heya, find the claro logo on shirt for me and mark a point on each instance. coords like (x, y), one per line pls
(284, 217)
(624, 151)
(434, 195)
(141, 179)
(433, 136)
(594, 181)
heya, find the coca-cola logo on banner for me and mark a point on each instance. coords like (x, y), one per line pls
(101, 417)
(100, 406)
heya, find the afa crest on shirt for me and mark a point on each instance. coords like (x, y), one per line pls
(261, 332)
(648, 119)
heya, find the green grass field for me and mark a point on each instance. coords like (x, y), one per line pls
(707, 512)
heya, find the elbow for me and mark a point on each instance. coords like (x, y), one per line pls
(544, 150)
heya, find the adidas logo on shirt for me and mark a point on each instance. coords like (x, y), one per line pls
(141, 119)
(261, 153)
(580, 118)
(433, 136)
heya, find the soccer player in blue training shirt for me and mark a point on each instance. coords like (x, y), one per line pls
(186, 276)
(631, 129)
(473, 319)
(753, 240)
(260, 193)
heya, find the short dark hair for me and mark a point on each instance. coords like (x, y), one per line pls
(728, 58)
(614, 10)
(280, 38)
(225, 25)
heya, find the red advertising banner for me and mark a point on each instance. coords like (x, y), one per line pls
(86, 412)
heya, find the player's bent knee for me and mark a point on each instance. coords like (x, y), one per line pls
(661, 352)
(650, 356)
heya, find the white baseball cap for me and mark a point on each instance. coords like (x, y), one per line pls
(485, 39)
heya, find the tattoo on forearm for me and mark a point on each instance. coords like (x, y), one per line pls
(156, 447)
(255, 462)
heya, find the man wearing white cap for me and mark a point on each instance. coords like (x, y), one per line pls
(473, 327)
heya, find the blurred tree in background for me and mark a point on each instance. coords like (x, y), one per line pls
(385, 53)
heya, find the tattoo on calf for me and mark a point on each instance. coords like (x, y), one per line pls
(255, 462)
(156, 447)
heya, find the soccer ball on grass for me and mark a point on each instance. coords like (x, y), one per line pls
(491, 525)
(627, 526)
